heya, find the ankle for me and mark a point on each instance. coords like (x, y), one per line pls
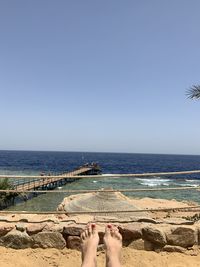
(113, 256)
(113, 252)
(113, 260)
(89, 261)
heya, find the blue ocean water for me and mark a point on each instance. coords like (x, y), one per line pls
(32, 162)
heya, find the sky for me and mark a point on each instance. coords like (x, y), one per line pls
(104, 76)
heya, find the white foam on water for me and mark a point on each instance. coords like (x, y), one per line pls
(95, 181)
(191, 185)
(154, 182)
(192, 181)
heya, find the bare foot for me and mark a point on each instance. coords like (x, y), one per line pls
(113, 243)
(89, 243)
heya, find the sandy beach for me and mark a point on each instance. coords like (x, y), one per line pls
(69, 258)
(130, 257)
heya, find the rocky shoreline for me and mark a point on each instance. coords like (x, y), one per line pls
(62, 231)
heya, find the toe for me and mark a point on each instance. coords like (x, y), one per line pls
(115, 232)
(108, 229)
(94, 228)
(83, 237)
(89, 229)
(86, 231)
(118, 236)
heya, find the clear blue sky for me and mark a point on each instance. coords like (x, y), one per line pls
(99, 75)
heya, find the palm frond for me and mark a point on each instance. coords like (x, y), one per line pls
(193, 92)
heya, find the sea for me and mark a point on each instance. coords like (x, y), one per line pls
(35, 162)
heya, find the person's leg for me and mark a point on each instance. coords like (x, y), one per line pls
(89, 243)
(113, 243)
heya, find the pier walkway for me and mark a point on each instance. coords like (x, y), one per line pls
(48, 182)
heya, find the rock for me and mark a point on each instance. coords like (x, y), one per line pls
(48, 240)
(57, 228)
(74, 242)
(73, 230)
(141, 244)
(149, 246)
(147, 220)
(16, 239)
(3, 219)
(169, 248)
(198, 231)
(21, 227)
(48, 227)
(137, 244)
(5, 228)
(32, 229)
(154, 235)
(53, 227)
(130, 232)
(60, 207)
(177, 221)
(183, 237)
(183, 231)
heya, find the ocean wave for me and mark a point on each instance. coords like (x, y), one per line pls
(154, 182)
(189, 185)
(192, 181)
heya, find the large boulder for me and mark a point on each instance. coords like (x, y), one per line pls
(35, 228)
(73, 230)
(198, 233)
(183, 237)
(16, 239)
(154, 235)
(74, 242)
(5, 228)
(48, 240)
(130, 232)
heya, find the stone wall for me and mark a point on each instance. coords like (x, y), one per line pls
(176, 235)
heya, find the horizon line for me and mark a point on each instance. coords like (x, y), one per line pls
(102, 152)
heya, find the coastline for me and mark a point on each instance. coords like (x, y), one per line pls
(57, 237)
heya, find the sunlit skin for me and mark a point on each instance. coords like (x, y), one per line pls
(90, 241)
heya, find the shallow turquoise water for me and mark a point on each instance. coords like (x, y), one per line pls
(50, 201)
(28, 163)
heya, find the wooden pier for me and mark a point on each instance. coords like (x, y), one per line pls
(48, 183)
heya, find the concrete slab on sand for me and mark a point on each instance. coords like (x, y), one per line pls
(102, 201)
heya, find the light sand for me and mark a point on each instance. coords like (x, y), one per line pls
(69, 258)
(153, 203)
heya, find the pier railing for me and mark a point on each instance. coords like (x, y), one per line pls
(73, 175)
